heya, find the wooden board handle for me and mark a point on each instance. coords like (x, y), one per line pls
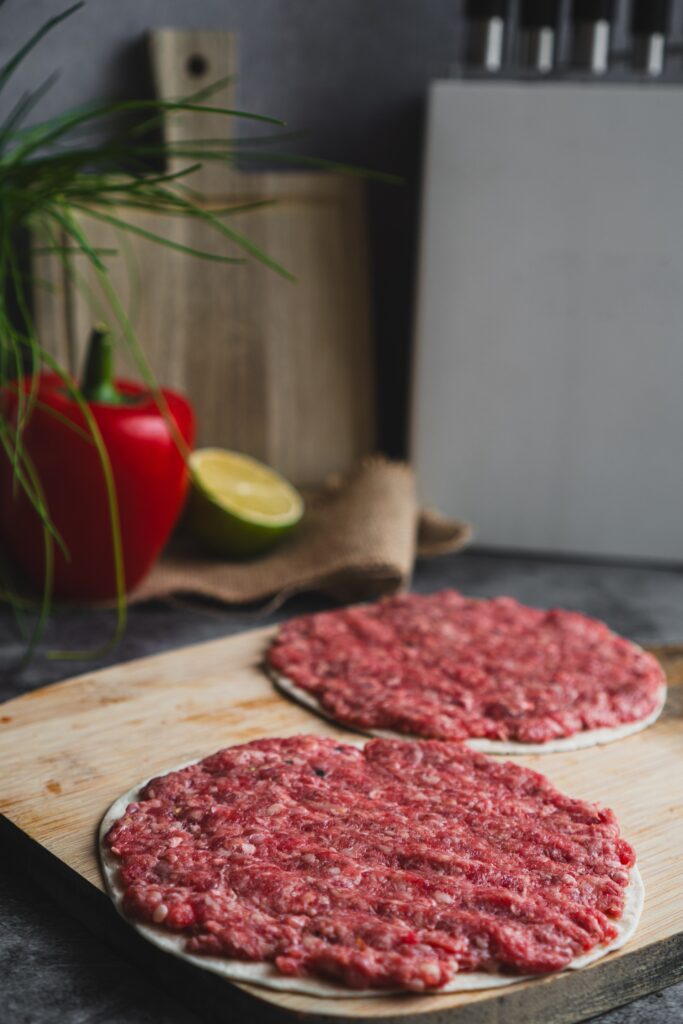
(182, 64)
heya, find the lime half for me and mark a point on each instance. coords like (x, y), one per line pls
(237, 506)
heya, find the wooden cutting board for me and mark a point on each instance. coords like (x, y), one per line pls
(67, 751)
(281, 370)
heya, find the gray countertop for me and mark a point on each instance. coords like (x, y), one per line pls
(52, 970)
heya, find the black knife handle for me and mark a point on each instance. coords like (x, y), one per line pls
(592, 10)
(534, 14)
(650, 16)
(483, 10)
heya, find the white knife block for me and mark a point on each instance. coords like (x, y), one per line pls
(548, 377)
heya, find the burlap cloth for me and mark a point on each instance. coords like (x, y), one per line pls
(358, 539)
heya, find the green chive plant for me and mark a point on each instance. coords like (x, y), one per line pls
(49, 177)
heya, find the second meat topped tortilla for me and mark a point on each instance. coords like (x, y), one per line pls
(504, 677)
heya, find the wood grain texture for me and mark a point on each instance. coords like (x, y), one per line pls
(67, 751)
(281, 370)
(181, 63)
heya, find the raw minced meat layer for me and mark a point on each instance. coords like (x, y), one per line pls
(446, 666)
(395, 866)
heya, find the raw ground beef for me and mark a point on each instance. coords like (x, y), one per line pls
(451, 667)
(395, 866)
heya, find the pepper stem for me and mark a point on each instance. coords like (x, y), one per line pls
(98, 376)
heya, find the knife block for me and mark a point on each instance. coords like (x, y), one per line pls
(547, 401)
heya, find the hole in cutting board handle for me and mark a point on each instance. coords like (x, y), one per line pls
(197, 65)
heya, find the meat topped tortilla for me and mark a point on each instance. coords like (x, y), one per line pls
(502, 676)
(313, 865)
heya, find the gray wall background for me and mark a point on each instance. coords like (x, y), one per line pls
(351, 75)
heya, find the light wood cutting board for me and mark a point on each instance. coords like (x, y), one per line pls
(67, 751)
(281, 370)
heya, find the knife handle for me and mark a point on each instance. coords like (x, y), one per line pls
(592, 23)
(538, 14)
(538, 22)
(482, 10)
(486, 33)
(650, 24)
(650, 16)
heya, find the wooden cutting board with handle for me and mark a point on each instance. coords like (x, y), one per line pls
(281, 370)
(68, 751)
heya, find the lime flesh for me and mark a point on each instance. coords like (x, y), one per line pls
(238, 507)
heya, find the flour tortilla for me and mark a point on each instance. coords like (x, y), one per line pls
(564, 744)
(267, 976)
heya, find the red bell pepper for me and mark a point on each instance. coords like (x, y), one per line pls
(148, 468)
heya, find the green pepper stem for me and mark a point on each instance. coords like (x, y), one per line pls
(98, 383)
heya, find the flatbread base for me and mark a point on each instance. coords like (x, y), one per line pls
(267, 976)
(565, 744)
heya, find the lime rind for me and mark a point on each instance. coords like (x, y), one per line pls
(229, 501)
